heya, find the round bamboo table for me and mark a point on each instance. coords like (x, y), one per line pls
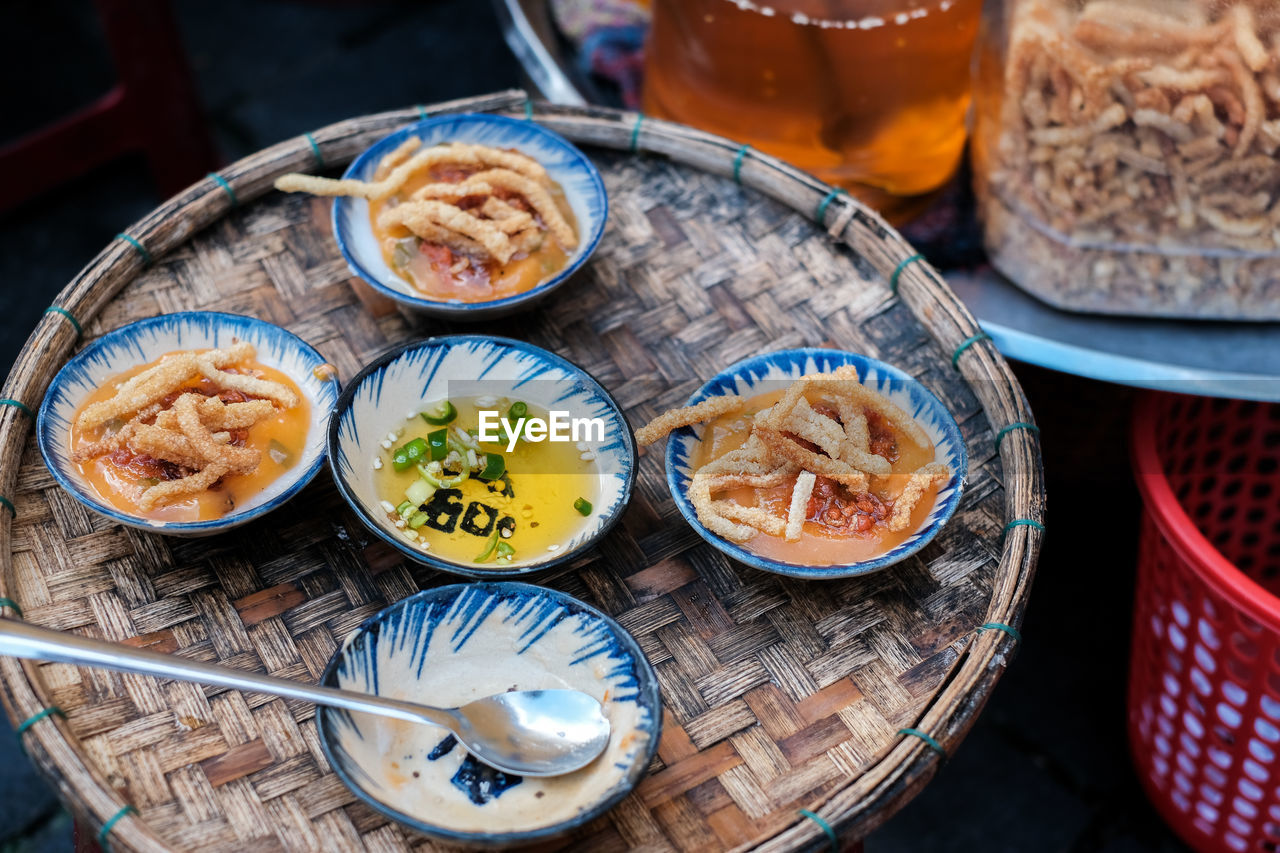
(794, 710)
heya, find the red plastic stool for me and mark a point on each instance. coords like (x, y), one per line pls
(153, 109)
(1204, 679)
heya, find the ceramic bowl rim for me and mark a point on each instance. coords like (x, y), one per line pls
(650, 695)
(235, 518)
(799, 570)
(426, 557)
(462, 309)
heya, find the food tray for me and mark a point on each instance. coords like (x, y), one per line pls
(784, 699)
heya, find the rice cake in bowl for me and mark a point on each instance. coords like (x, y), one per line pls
(849, 471)
(467, 217)
(451, 645)
(112, 433)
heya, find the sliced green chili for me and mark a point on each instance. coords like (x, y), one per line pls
(406, 457)
(489, 546)
(494, 466)
(433, 473)
(438, 443)
(440, 414)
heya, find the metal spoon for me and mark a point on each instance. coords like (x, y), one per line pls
(527, 733)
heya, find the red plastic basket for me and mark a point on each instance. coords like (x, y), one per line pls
(1204, 679)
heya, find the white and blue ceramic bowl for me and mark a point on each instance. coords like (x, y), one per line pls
(385, 396)
(450, 645)
(145, 341)
(569, 167)
(771, 372)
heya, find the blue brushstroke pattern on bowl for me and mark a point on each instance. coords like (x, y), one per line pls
(453, 644)
(145, 341)
(771, 371)
(576, 174)
(375, 403)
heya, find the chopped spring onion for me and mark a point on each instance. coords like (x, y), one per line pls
(439, 414)
(404, 251)
(583, 506)
(279, 453)
(489, 546)
(438, 443)
(419, 492)
(409, 455)
(465, 440)
(417, 520)
(406, 509)
(433, 473)
(494, 466)
(519, 409)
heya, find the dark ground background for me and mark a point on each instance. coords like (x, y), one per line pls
(1046, 767)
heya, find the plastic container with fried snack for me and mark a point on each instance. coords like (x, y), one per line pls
(1125, 154)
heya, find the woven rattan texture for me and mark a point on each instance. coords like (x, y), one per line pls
(778, 691)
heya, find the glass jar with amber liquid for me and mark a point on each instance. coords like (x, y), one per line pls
(870, 95)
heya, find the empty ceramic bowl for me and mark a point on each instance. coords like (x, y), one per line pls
(454, 644)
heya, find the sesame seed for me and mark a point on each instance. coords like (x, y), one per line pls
(391, 436)
(410, 416)
(377, 464)
(553, 547)
(587, 457)
(506, 533)
(581, 445)
(386, 444)
(399, 522)
(387, 507)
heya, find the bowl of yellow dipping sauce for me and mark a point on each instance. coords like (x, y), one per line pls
(482, 456)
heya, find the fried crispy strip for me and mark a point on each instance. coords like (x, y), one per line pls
(116, 440)
(921, 479)
(251, 385)
(420, 217)
(836, 469)
(700, 497)
(709, 409)
(462, 154)
(217, 415)
(446, 189)
(1246, 34)
(401, 153)
(753, 516)
(203, 443)
(155, 382)
(539, 199)
(168, 445)
(799, 508)
(172, 490)
(823, 431)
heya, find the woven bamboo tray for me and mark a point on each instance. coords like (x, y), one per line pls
(781, 695)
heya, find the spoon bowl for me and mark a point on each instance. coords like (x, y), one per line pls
(540, 731)
(527, 733)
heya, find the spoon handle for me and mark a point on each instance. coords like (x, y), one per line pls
(22, 640)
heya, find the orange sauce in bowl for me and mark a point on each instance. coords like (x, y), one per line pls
(433, 269)
(119, 478)
(841, 528)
